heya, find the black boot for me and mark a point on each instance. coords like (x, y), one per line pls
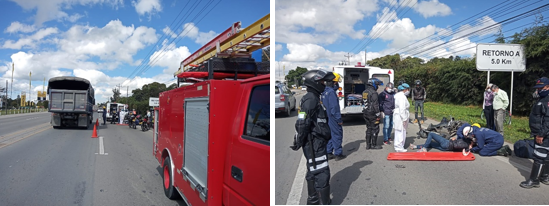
(368, 141)
(533, 181)
(544, 176)
(508, 150)
(502, 151)
(312, 199)
(324, 194)
(373, 142)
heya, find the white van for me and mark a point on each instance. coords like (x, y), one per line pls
(115, 106)
(354, 82)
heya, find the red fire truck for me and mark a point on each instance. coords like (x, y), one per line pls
(211, 136)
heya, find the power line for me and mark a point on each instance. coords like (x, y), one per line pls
(458, 23)
(159, 40)
(420, 48)
(161, 53)
(487, 27)
(390, 6)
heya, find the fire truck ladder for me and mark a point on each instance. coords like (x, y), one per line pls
(231, 56)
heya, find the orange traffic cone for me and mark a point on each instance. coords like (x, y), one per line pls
(97, 122)
(94, 135)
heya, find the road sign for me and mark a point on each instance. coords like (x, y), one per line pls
(501, 57)
(154, 102)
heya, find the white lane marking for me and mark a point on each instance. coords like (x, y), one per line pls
(516, 164)
(101, 147)
(297, 187)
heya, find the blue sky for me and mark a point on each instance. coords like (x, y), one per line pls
(318, 33)
(105, 41)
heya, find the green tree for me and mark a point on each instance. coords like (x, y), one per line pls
(292, 74)
(116, 95)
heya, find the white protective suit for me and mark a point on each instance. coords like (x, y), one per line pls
(122, 115)
(400, 120)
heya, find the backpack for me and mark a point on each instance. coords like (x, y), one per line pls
(524, 148)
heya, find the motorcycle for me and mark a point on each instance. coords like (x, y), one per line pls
(145, 124)
(131, 121)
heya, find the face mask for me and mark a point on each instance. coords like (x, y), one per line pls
(336, 86)
(543, 93)
(406, 93)
(389, 90)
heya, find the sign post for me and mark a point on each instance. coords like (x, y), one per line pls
(154, 101)
(501, 58)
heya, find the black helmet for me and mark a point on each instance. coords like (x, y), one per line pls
(375, 82)
(418, 82)
(312, 79)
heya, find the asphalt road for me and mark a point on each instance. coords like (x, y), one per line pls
(367, 177)
(45, 166)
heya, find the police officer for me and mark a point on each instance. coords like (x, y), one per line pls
(371, 112)
(418, 95)
(313, 133)
(330, 101)
(539, 127)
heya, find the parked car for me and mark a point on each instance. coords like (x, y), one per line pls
(303, 88)
(284, 100)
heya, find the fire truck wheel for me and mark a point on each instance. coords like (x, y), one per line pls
(169, 190)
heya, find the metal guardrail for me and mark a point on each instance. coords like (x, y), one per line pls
(4, 112)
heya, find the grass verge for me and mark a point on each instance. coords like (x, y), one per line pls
(519, 128)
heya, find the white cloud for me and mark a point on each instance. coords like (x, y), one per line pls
(147, 6)
(19, 27)
(114, 41)
(169, 32)
(190, 30)
(401, 32)
(171, 57)
(278, 47)
(30, 41)
(205, 37)
(329, 20)
(432, 8)
(53, 9)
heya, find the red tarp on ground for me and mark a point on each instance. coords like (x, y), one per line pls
(430, 156)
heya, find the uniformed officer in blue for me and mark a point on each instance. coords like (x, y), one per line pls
(313, 133)
(330, 101)
(487, 141)
(539, 129)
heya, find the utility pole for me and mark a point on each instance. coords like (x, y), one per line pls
(348, 57)
(12, 68)
(365, 57)
(283, 72)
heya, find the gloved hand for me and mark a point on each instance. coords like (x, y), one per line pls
(535, 95)
(295, 145)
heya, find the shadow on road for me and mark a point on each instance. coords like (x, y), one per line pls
(515, 161)
(342, 181)
(353, 120)
(179, 201)
(352, 146)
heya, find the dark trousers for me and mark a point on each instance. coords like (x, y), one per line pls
(372, 129)
(319, 173)
(541, 151)
(488, 113)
